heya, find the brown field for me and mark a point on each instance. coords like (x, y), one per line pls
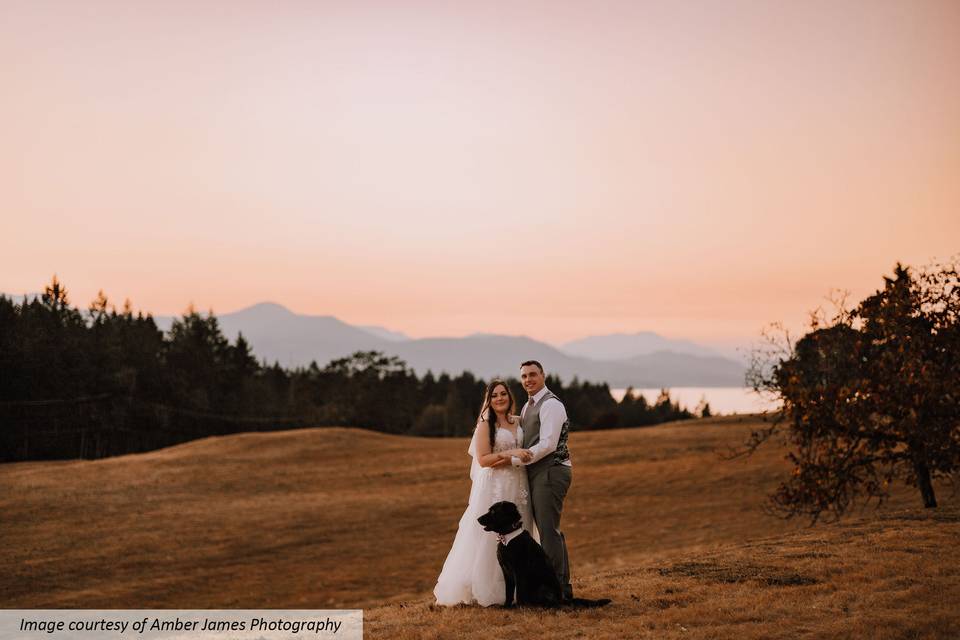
(344, 518)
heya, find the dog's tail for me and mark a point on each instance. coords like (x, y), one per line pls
(583, 602)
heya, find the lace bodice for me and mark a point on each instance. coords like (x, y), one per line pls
(504, 440)
(508, 482)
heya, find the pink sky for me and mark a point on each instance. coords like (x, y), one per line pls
(543, 168)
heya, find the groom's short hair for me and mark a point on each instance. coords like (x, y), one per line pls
(530, 363)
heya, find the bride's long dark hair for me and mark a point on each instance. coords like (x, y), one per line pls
(487, 407)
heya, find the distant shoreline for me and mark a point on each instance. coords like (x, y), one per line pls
(722, 400)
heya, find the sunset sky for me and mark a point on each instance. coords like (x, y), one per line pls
(553, 169)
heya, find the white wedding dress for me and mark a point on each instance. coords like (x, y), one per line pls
(471, 573)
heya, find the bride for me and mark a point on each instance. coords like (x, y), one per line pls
(471, 573)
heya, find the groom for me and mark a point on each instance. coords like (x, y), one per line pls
(545, 428)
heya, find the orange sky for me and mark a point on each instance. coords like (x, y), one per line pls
(553, 169)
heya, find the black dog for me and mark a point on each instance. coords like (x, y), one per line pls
(525, 566)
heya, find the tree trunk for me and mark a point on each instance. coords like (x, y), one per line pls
(923, 481)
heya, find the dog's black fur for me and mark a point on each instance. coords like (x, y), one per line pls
(526, 568)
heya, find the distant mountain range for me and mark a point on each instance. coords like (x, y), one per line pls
(618, 346)
(645, 359)
(640, 360)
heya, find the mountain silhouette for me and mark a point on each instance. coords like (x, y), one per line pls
(618, 346)
(277, 334)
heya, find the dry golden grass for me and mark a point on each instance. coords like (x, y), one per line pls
(890, 577)
(348, 518)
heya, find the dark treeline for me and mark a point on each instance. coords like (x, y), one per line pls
(102, 382)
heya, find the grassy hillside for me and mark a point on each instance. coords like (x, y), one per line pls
(348, 518)
(883, 578)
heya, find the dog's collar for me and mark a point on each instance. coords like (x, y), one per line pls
(505, 538)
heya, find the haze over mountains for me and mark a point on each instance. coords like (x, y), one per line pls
(617, 346)
(642, 360)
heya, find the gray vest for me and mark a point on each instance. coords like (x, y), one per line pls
(531, 436)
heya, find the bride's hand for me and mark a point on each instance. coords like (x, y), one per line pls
(524, 454)
(501, 461)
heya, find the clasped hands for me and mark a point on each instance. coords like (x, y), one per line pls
(524, 454)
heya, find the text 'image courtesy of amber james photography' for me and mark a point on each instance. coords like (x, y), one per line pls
(76, 624)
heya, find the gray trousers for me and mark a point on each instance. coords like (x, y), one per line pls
(548, 488)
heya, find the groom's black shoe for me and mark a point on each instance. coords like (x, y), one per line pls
(526, 568)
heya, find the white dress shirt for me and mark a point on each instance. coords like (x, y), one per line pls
(552, 416)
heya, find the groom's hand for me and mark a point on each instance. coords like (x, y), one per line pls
(525, 455)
